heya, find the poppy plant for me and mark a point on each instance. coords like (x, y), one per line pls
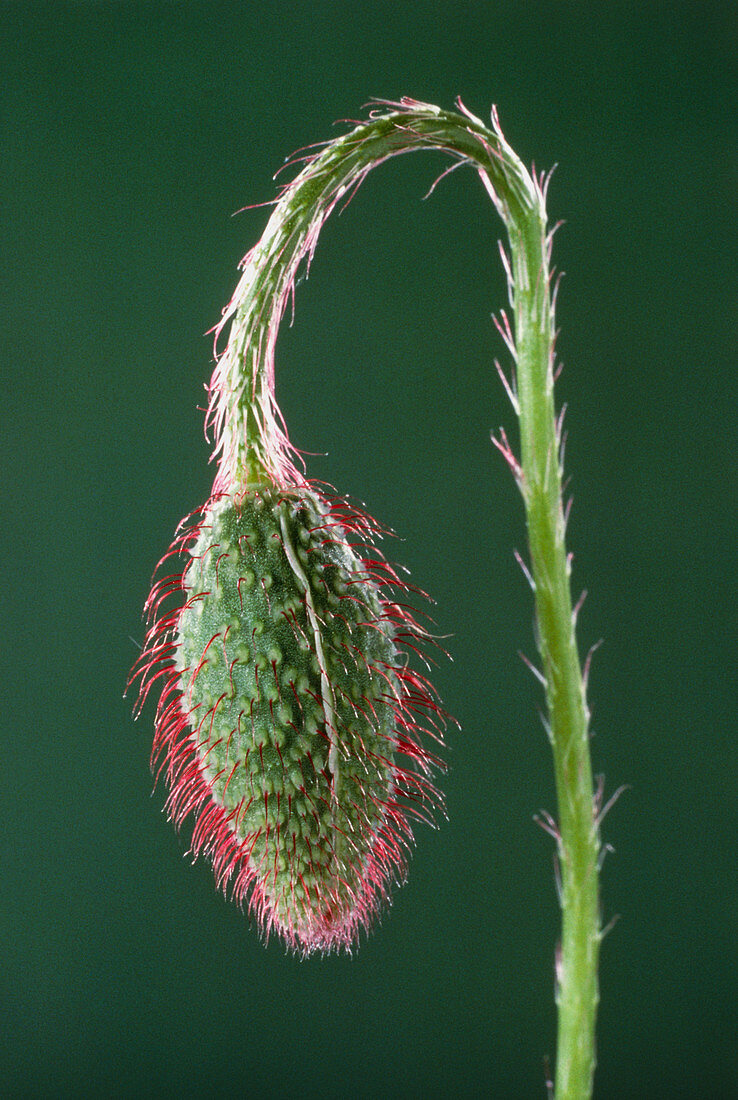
(295, 721)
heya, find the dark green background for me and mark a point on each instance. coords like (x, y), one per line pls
(131, 132)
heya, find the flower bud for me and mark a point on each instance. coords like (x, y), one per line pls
(289, 698)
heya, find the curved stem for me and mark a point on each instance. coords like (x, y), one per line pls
(252, 444)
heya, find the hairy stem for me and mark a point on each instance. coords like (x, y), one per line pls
(578, 834)
(251, 442)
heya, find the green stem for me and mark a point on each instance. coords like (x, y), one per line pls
(578, 843)
(253, 446)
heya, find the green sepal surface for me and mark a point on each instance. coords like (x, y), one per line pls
(302, 761)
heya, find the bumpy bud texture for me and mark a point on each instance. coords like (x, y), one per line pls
(290, 719)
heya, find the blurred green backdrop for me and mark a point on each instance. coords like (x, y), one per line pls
(131, 132)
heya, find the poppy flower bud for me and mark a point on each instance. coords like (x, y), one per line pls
(289, 703)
